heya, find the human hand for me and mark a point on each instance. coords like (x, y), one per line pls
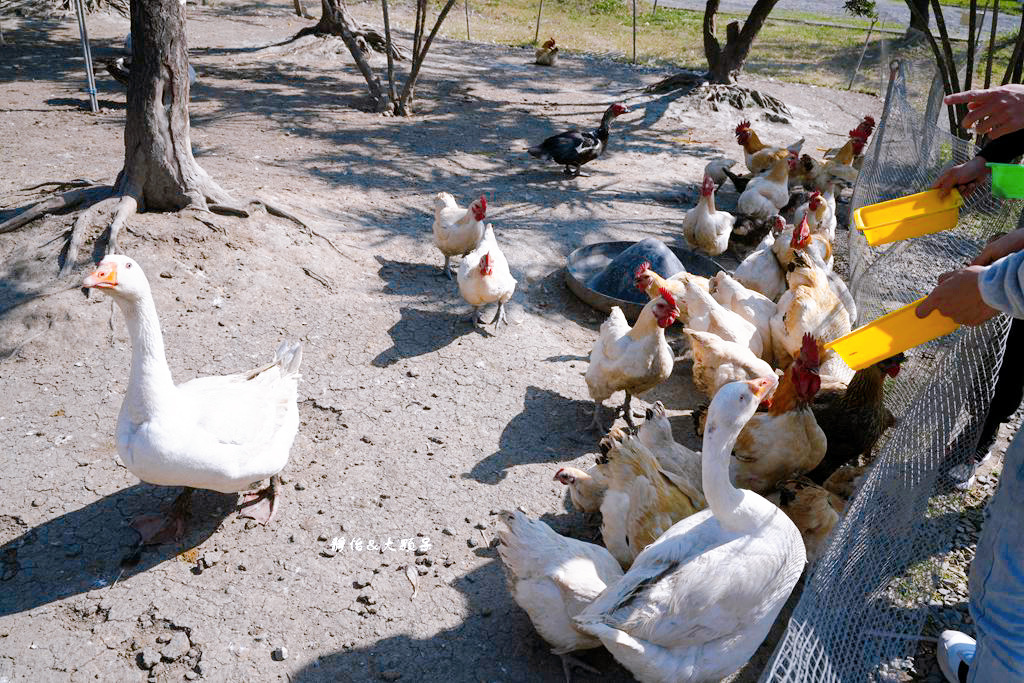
(996, 111)
(958, 296)
(997, 249)
(965, 177)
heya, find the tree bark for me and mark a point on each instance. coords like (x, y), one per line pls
(159, 171)
(918, 15)
(1013, 70)
(725, 63)
(335, 21)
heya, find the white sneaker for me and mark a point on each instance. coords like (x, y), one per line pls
(955, 654)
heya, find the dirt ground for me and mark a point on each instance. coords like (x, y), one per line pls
(414, 425)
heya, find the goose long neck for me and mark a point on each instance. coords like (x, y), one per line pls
(150, 381)
(723, 498)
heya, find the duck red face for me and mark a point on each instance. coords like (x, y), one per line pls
(618, 109)
(667, 312)
(801, 235)
(641, 279)
(479, 208)
(779, 225)
(485, 265)
(708, 187)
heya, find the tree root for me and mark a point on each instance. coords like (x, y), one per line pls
(122, 202)
(64, 201)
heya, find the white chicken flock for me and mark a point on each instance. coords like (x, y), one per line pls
(669, 594)
(680, 522)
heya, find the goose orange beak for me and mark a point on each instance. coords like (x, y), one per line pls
(761, 387)
(103, 277)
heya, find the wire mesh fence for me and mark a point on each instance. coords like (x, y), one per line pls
(865, 602)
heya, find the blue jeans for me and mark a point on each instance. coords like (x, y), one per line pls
(997, 578)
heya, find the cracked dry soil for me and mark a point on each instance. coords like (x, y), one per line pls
(415, 427)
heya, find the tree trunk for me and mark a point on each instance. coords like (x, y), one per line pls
(918, 15)
(725, 63)
(159, 169)
(336, 21)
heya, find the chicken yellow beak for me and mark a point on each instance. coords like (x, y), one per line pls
(104, 277)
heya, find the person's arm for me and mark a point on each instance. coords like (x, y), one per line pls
(1004, 149)
(1002, 285)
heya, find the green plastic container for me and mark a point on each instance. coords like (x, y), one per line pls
(1007, 181)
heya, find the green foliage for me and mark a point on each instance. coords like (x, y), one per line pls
(861, 8)
(608, 7)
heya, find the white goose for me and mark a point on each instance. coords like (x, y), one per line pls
(698, 602)
(220, 433)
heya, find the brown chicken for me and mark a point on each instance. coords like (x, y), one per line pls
(785, 441)
(643, 500)
(853, 417)
(757, 155)
(586, 488)
(814, 510)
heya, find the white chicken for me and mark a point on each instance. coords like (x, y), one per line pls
(457, 231)
(766, 194)
(820, 218)
(631, 359)
(553, 578)
(700, 311)
(704, 227)
(752, 306)
(717, 362)
(760, 270)
(484, 278)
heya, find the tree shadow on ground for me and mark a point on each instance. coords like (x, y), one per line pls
(548, 430)
(416, 279)
(93, 546)
(421, 332)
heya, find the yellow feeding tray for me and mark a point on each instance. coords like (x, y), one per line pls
(918, 214)
(891, 334)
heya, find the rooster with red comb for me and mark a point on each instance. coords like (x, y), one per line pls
(631, 359)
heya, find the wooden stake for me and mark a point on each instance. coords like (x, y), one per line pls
(634, 31)
(863, 51)
(536, 36)
(467, 20)
(991, 44)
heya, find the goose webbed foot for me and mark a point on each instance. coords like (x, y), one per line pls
(155, 529)
(569, 663)
(261, 505)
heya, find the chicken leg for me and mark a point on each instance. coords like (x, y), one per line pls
(627, 414)
(569, 663)
(447, 268)
(499, 316)
(261, 505)
(596, 424)
(155, 529)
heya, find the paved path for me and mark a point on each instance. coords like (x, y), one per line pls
(892, 13)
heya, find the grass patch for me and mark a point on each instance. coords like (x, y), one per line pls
(1005, 6)
(792, 46)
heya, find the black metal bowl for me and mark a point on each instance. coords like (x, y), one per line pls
(584, 263)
